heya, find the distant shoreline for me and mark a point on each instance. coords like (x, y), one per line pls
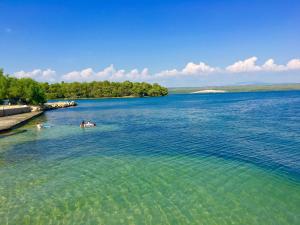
(230, 89)
(208, 91)
(102, 98)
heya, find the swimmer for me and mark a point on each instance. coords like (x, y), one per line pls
(82, 124)
(39, 126)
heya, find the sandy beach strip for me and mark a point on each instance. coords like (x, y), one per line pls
(208, 91)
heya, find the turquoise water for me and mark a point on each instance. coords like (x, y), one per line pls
(229, 158)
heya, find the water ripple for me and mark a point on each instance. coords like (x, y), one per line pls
(182, 159)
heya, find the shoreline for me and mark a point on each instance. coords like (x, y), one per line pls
(69, 99)
(236, 89)
(8, 123)
(183, 91)
(208, 91)
(19, 118)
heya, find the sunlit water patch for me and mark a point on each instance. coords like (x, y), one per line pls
(181, 159)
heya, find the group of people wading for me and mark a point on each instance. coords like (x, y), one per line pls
(83, 124)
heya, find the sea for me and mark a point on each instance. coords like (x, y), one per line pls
(224, 158)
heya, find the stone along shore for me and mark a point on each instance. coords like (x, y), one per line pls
(57, 105)
(12, 117)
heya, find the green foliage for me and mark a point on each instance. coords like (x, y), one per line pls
(3, 85)
(28, 91)
(23, 91)
(103, 89)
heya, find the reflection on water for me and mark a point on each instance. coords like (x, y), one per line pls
(199, 159)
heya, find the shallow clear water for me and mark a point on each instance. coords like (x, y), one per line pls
(229, 158)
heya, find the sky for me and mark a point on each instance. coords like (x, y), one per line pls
(175, 43)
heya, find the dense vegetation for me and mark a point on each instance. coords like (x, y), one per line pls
(28, 91)
(103, 89)
(24, 90)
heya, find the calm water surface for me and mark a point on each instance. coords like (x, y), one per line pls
(183, 159)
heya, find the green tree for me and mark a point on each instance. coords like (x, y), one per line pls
(26, 90)
(3, 85)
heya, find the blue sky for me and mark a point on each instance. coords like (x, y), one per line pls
(155, 41)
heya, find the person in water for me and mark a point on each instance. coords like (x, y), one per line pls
(88, 124)
(39, 126)
(82, 124)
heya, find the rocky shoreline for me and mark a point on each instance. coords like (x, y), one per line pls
(58, 105)
(53, 105)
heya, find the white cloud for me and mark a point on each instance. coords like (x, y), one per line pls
(82, 75)
(108, 73)
(248, 65)
(191, 69)
(270, 65)
(294, 64)
(47, 75)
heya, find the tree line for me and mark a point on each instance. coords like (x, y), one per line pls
(21, 91)
(29, 91)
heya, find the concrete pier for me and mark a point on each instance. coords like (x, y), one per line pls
(10, 122)
(13, 110)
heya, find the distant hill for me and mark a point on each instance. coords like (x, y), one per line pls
(236, 88)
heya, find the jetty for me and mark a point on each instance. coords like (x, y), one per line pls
(57, 105)
(12, 117)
